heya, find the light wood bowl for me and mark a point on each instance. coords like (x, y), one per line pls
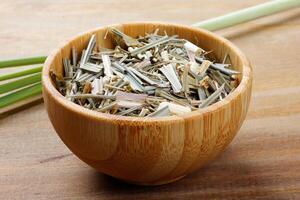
(149, 151)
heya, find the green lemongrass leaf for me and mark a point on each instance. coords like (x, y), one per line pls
(7, 87)
(21, 94)
(21, 73)
(247, 14)
(22, 62)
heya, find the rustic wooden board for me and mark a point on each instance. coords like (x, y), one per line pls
(263, 161)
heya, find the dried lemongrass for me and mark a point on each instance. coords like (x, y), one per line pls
(107, 65)
(128, 104)
(185, 84)
(131, 96)
(143, 112)
(175, 108)
(193, 48)
(130, 110)
(97, 86)
(150, 76)
(212, 97)
(163, 111)
(129, 41)
(88, 51)
(170, 74)
(85, 96)
(151, 45)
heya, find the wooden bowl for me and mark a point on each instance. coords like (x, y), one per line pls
(148, 151)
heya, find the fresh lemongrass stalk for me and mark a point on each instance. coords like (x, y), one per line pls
(21, 94)
(29, 100)
(13, 85)
(21, 73)
(247, 14)
(22, 62)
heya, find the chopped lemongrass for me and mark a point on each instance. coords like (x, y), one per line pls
(91, 67)
(131, 96)
(193, 48)
(88, 51)
(96, 96)
(107, 107)
(170, 74)
(142, 76)
(129, 41)
(161, 112)
(128, 104)
(152, 79)
(130, 110)
(96, 85)
(185, 83)
(143, 112)
(218, 67)
(133, 83)
(212, 97)
(151, 45)
(165, 55)
(107, 65)
(204, 66)
(175, 108)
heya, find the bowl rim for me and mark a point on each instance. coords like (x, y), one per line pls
(59, 98)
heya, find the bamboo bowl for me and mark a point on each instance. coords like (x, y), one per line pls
(149, 151)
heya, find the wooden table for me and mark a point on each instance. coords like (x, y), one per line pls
(263, 161)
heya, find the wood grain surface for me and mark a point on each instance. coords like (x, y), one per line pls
(263, 161)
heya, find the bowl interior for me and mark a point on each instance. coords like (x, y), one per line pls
(208, 41)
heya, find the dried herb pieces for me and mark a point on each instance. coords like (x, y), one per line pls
(148, 76)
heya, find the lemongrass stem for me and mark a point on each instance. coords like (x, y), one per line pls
(21, 73)
(21, 103)
(20, 95)
(7, 87)
(247, 14)
(22, 61)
